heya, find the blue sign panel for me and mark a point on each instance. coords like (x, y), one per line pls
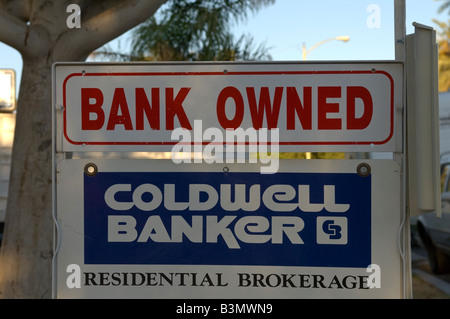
(225, 218)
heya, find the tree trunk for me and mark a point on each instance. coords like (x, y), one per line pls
(38, 30)
(26, 268)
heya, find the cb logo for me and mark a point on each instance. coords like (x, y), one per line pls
(332, 230)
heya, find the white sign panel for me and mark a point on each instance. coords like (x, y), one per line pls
(155, 229)
(315, 107)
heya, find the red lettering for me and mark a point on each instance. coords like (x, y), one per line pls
(119, 102)
(224, 95)
(263, 109)
(323, 108)
(143, 106)
(264, 104)
(87, 109)
(174, 107)
(295, 106)
(353, 93)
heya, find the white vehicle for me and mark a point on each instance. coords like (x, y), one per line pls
(434, 231)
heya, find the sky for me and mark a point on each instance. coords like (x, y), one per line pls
(286, 25)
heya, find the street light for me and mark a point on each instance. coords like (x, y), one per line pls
(343, 38)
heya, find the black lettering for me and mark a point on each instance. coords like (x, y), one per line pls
(304, 281)
(166, 278)
(273, 283)
(258, 279)
(287, 280)
(89, 279)
(363, 282)
(335, 281)
(318, 280)
(115, 279)
(104, 279)
(244, 280)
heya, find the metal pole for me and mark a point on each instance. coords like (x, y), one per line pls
(400, 29)
(400, 56)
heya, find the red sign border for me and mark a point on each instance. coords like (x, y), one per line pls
(161, 143)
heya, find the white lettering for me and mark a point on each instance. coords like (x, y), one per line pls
(169, 199)
(248, 141)
(374, 19)
(181, 227)
(215, 229)
(212, 228)
(281, 193)
(304, 200)
(195, 191)
(155, 230)
(111, 201)
(330, 203)
(74, 19)
(121, 228)
(247, 229)
(153, 203)
(74, 279)
(290, 226)
(252, 224)
(213, 151)
(374, 279)
(240, 202)
(280, 198)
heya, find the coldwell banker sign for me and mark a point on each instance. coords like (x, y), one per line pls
(145, 228)
(234, 218)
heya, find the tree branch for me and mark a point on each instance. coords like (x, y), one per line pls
(12, 30)
(27, 39)
(104, 21)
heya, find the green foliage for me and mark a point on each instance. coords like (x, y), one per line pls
(444, 73)
(319, 155)
(444, 55)
(197, 30)
(444, 6)
(194, 30)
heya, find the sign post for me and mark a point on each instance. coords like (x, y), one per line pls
(224, 227)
